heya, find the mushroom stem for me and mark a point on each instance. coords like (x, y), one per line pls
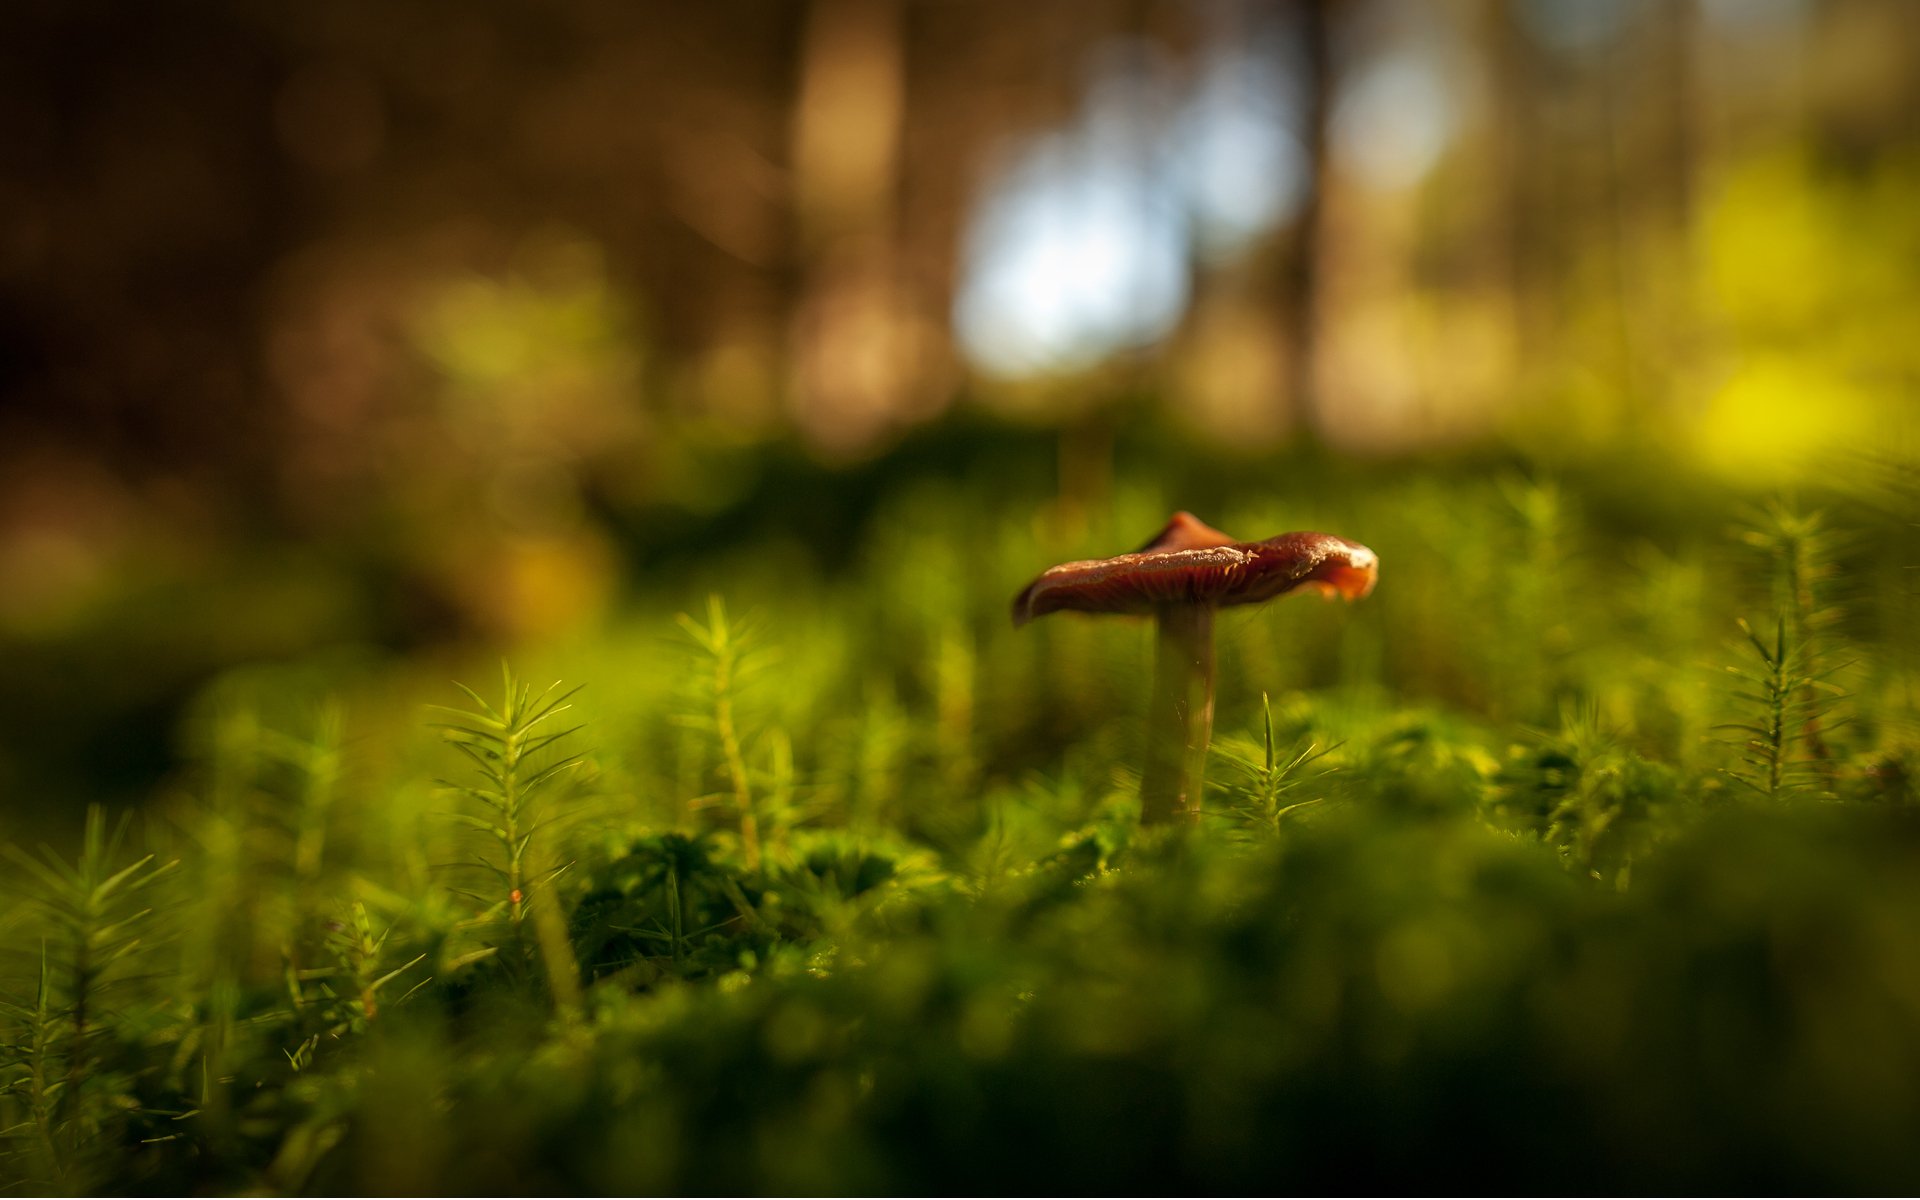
(1179, 715)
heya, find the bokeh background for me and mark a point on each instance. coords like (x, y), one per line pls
(738, 361)
(369, 331)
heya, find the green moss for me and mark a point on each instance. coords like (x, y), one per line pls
(843, 892)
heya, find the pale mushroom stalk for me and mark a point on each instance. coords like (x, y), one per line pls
(1179, 714)
(1179, 578)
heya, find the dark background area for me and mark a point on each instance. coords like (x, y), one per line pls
(408, 325)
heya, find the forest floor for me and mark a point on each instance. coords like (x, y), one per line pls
(1583, 855)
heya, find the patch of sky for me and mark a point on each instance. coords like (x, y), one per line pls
(1755, 15)
(1238, 148)
(1393, 121)
(1080, 247)
(1086, 239)
(1575, 25)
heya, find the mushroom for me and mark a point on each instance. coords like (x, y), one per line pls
(1179, 577)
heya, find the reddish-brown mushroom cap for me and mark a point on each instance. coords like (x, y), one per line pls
(1188, 563)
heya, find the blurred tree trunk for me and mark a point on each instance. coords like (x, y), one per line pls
(1302, 279)
(1522, 219)
(1680, 30)
(851, 354)
(1677, 334)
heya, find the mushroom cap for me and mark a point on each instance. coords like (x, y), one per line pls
(1190, 563)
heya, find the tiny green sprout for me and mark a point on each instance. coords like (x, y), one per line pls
(507, 747)
(1786, 700)
(1264, 794)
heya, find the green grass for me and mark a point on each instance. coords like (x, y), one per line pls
(1537, 870)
